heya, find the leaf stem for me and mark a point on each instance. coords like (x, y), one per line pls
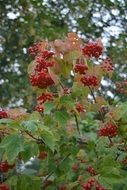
(77, 124)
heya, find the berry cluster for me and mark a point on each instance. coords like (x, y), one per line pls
(80, 108)
(108, 129)
(91, 170)
(92, 183)
(107, 66)
(34, 49)
(41, 76)
(80, 67)
(93, 49)
(3, 114)
(48, 96)
(4, 187)
(121, 87)
(89, 80)
(89, 184)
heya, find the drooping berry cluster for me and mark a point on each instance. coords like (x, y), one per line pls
(80, 67)
(93, 49)
(3, 114)
(41, 77)
(89, 80)
(34, 49)
(89, 184)
(48, 96)
(108, 129)
(91, 170)
(107, 66)
(121, 87)
(92, 183)
(79, 107)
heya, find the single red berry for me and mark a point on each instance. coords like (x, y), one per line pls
(4, 187)
(67, 90)
(93, 49)
(3, 114)
(108, 129)
(43, 155)
(75, 167)
(39, 108)
(4, 167)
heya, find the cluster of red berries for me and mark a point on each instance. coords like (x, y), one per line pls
(109, 130)
(3, 114)
(41, 76)
(107, 65)
(48, 96)
(91, 170)
(93, 49)
(4, 166)
(92, 183)
(80, 108)
(121, 87)
(4, 187)
(80, 67)
(34, 49)
(89, 80)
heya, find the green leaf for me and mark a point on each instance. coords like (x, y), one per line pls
(67, 101)
(12, 144)
(30, 125)
(61, 117)
(48, 106)
(30, 149)
(49, 138)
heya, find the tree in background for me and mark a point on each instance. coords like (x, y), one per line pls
(24, 22)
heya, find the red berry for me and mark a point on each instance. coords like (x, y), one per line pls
(3, 114)
(108, 129)
(75, 167)
(91, 170)
(67, 90)
(4, 187)
(42, 155)
(89, 184)
(93, 49)
(39, 108)
(4, 167)
(80, 108)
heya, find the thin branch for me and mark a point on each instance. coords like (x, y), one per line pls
(40, 141)
(77, 124)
